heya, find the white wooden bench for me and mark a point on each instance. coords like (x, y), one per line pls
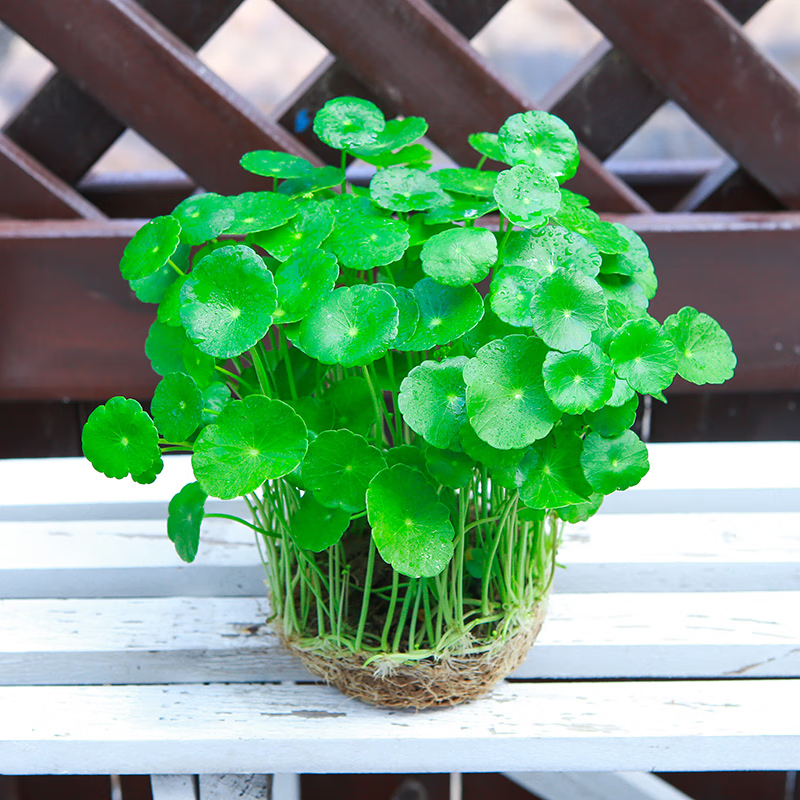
(672, 644)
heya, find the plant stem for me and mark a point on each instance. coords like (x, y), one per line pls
(376, 406)
(243, 522)
(344, 168)
(261, 370)
(287, 360)
(176, 267)
(398, 634)
(362, 619)
(390, 613)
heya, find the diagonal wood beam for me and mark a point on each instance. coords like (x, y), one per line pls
(403, 51)
(85, 129)
(697, 54)
(153, 83)
(32, 192)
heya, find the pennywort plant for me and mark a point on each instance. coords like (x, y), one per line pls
(407, 444)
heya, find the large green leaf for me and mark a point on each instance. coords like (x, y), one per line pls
(253, 440)
(432, 400)
(611, 421)
(363, 242)
(120, 439)
(410, 527)
(227, 301)
(351, 326)
(705, 353)
(408, 311)
(603, 235)
(203, 217)
(150, 248)
(154, 287)
(507, 403)
(405, 189)
(310, 227)
(397, 134)
(464, 180)
(511, 293)
(486, 144)
(541, 140)
(528, 196)
(184, 517)
(551, 247)
(275, 164)
(177, 407)
(259, 211)
(316, 180)
(566, 308)
(301, 281)
(578, 381)
(460, 256)
(616, 463)
(316, 527)
(449, 467)
(338, 468)
(346, 122)
(644, 356)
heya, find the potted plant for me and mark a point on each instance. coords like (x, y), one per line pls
(409, 446)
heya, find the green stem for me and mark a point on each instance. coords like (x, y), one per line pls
(412, 630)
(243, 522)
(482, 162)
(398, 634)
(502, 248)
(344, 167)
(287, 360)
(376, 405)
(237, 378)
(176, 267)
(362, 619)
(261, 370)
(390, 613)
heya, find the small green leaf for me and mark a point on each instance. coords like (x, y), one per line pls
(404, 189)
(346, 122)
(644, 356)
(150, 248)
(580, 512)
(338, 468)
(461, 208)
(446, 312)
(578, 381)
(622, 393)
(310, 227)
(414, 156)
(460, 256)
(550, 475)
(315, 527)
(486, 144)
(227, 301)
(407, 454)
(252, 441)
(511, 292)
(611, 421)
(528, 196)
(625, 292)
(464, 180)
(397, 134)
(566, 308)
(408, 311)
(301, 281)
(635, 262)
(506, 400)
(353, 405)
(547, 249)
(410, 527)
(448, 467)
(705, 352)
(203, 217)
(259, 211)
(177, 407)
(149, 475)
(154, 287)
(603, 235)
(351, 326)
(120, 439)
(170, 306)
(364, 242)
(215, 397)
(540, 140)
(317, 180)
(614, 464)
(275, 164)
(198, 365)
(185, 515)
(432, 400)
(164, 348)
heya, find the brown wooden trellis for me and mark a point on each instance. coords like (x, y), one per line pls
(730, 242)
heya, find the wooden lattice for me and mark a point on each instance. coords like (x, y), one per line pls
(68, 326)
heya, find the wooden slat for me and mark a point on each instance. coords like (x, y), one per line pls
(30, 191)
(585, 636)
(406, 51)
(685, 47)
(607, 97)
(245, 728)
(234, 787)
(155, 84)
(85, 129)
(596, 786)
(174, 787)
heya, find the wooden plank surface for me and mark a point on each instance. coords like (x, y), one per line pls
(246, 728)
(585, 636)
(596, 786)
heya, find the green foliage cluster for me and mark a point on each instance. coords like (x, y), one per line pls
(325, 353)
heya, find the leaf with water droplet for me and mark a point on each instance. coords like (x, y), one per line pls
(346, 122)
(644, 356)
(705, 353)
(310, 227)
(396, 134)
(616, 463)
(460, 256)
(364, 242)
(541, 140)
(528, 196)
(405, 189)
(578, 381)
(150, 248)
(275, 164)
(546, 249)
(177, 407)
(203, 217)
(301, 281)
(259, 211)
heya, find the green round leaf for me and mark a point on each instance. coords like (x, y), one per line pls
(315, 527)
(507, 403)
(308, 229)
(461, 208)
(404, 189)
(203, 217)
(489, 456)
(578, 381)
(198, 364)
(215, 397)
(624, 292)
(408, 311)
(511, 293)
(177, 407)
(603, 235)
(622, 393)
(259, 211)
(705, 352)
(540, 140)
(227, 301)
(410, 527)
(316, 180)
(301, 281)
(580, 512)
(448, 467)
(486, 144)
(414, 156)
(547, 249)
(150, 474)
(120, 439)
(460, 256)
(614, 464)
(644, 356)
(550, 475)
(150, 248)
(527, 195)
(338, 468)
(185, 515)
(408, 454)
(464, 180)
(169, 309)
(432, 400)
(445, 313)
(352, 326)
(317, 414)
(566, 308)
(274, 164)
(490, 327)
(252, 441)
(364, 242)
(397, 134)
(635, 262)
(154, 287)
(611, 421)
(164, 348)
(346, 122)
(353, 405)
